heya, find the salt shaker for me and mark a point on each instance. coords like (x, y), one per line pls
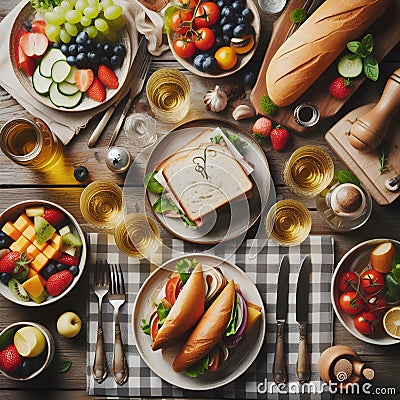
(118, 159)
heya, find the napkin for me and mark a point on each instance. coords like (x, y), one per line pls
(263, 271)
(66, 124)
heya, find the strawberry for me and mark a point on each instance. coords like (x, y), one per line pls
(97, 91)
(107, 77)
(39, 26)
(27, 64)
(339, 88)
(83, 79)
(66, 259)
(18, 50)
(54, 217)
(279, 137)
(262, 127)
(10, 359)
(33, 44)
(58, 282)
(13, 262)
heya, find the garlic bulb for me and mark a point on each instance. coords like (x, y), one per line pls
(243, 111)
(215, 100)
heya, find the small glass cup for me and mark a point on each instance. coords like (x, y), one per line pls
(137, 236)
(140, 129)
(30, 143)
(102, 204)
(308, 171)
(168, 92)
(288, 222)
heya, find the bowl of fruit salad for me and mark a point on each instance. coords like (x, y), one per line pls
(26, 350)
(73, 56)
(42, 252)
(365, 287)
(213, 38)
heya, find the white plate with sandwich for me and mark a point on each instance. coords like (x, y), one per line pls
(208, 184)
(201, 355)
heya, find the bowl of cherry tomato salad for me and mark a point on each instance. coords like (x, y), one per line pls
(362, 294)
(212, 38)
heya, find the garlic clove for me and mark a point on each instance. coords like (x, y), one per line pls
(243, 111)
(215, 100)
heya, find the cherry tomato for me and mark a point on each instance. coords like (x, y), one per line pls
(348, 282)
(154, 327)
(180, 21)
(184, 48)
(351, 303)
(372, 281)
(205, 39)
(376, 304)
(365, 323)
(187, 4)
(207, 14)
(171, 289)
(226, 57)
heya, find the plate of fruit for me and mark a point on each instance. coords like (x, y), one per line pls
(72, 57)
(213, 38)
(42, 252)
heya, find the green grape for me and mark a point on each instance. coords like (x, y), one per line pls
(91, 31)
(80, 5)
(113, 12)
(53, 32)
(68, 5)
(85, 21)
(117, 23)
(65, 36)
(101, 24)
(106, 3)
(71, 29)
(60, 11)
(93, 3)
(51, 18)
(73, 16)
(91, 12)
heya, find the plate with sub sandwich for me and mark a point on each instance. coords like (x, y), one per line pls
(207, 184)
(198, 322)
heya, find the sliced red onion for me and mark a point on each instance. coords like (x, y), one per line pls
(233, 340)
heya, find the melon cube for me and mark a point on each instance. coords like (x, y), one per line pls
(35, 289)
(56, 241)
(32, 251)
(21, 244)
(64, 230)
(30, 233)
(51, 252)
(10, 230)
(71, 250)
(32, 273)
(35, 211)
(41, 247)
(22, 222)
(39, 262)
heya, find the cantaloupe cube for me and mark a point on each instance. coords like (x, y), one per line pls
(32, 273)
(56, 241)
(22, 222)
(10, 230)
(51, 252)
(35, 289)
(32, 251)
(30, 233)
(41, 247)
(21, 244)
(39, 262)
(253, 314)
(35, 211)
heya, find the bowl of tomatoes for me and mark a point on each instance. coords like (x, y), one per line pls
(362, 290)
(213, 38)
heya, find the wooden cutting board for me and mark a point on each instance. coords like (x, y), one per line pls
(386, 33)
(365, 165)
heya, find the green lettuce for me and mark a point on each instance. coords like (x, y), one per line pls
(198, 368)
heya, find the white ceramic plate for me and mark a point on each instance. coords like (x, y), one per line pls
(160, 361)
(233, 220)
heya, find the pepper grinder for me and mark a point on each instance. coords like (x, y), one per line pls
(369, 130)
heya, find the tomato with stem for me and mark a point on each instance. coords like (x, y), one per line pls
(351, 303)
(207, 14)
(184, 48)
(205, 39)
(372, 281)
(365, 323)
(180, 21)
(348, 282)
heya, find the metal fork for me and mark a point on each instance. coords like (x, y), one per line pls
(100, 285)
(116, 298)
(135, 90)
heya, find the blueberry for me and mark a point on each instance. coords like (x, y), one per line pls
(199, 60)
(81, 173)
(223, 21)
(216, 29)
(48, 270)
(210, 64)
(28, 367)
(93, 57)
(64, 49)
(98, 49)
(241, 30)
(219, 42)
(105, 60)
(249, 79)
(89, 45)
(56, 45)
(71, 60)
(81, 60)
(28, 25)
(73, 49)
(227, 29)
(119, 50)
(74, 269)
(5, 277)
(82, 38)
(238, 5)
(240, 20)
(229, 13)
(81, 48)
(226, 40)
(247, 15)
(5, 241)
(115, 61)
(61, 267)
(108, 49)
(220, 4)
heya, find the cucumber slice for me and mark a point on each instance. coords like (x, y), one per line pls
(41, 84)
(46, 64)
(67, 88)
(71, 76)
(60, 70)
(61, 100)
(350, 66)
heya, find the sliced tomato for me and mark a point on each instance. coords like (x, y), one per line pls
(214, 359)
(171, 292)
(154, 327)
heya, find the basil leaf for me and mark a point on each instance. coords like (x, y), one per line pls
(371, 68)
(65, 366)
(164, 204)
(354, 47)
(7, 338)
(367, 43)
(198, 368)
(151, 183)
(344, 176)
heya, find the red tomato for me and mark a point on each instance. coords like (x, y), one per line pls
(372, 281)
(171, 289)
(351, 303)
(184, 48)
(154, 327)
(376, 304)
(365, 323)
(214, 356)
(187, 4)
(205, 39)
(207, 14)
(348, 282)
(180, 21)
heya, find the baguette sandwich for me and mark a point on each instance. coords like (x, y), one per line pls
(305, 55)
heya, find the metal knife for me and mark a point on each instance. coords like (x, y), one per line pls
(279, 369)
(302, 364)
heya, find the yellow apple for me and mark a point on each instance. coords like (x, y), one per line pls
(69, 324)
(29, 341)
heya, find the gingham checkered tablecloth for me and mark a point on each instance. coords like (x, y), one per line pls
(263, 271)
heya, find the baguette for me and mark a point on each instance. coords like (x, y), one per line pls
(186, 311)
(305, 55)
(208, 331)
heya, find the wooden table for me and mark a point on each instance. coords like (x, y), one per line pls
(19, 184)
